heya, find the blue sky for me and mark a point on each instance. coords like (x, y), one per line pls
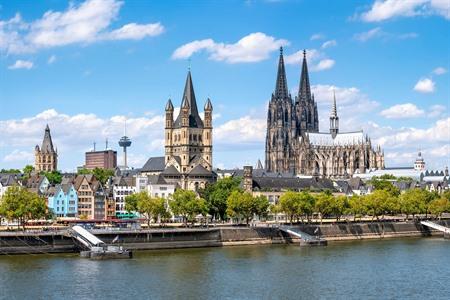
(86, 66)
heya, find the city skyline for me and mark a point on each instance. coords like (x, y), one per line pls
(388, 69)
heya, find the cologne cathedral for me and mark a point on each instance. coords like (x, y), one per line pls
(295, 145)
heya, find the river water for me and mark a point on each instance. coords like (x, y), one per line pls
(383, 269)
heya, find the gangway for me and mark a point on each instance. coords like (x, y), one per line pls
(433, 225)
(305, 238)
(96, 248)
(86, 238)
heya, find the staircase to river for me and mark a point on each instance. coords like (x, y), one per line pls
(305, 238)
(433, 225)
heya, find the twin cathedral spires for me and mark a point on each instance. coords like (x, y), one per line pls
(287, 120)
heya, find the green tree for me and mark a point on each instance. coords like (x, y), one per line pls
(439, 206)
(10, 171)
(383, 183)
(186, 204)
(356, 206)
(375, 202)
(413, 202)
(21, 205)
(131, 202)
(216, 195)
(27, 170)
(102, 174)
(240, 205)
(339, 206)
(324, 205)
(53, 177)
(260, 206)
(288, 203)
(151, 207)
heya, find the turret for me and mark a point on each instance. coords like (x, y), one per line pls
(334, 119)
(185, 112)
(208, 113)
(169, 114)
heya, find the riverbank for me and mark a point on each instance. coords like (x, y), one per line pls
(173, 238)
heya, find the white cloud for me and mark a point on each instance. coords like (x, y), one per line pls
(316, 60)
(401, 111)
(135, 31)
(51, 59)
(317, 36)
(436, 111)
(245, 130)
(367, 35)
(424, 85)
(251, 48)
(439, 71)
(21, 64)
(382, 10)
(441, 151)
(324, 64)
(19, 156)
(84, 23)
(328, 44)
(439, 132)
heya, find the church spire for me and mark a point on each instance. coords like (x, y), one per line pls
(281, 89)
(334, 119)
(47, 143)
(189, 100)
(304, 91)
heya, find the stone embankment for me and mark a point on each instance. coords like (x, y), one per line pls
(60, 242)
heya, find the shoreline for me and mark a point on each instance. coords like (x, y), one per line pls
(160, 239)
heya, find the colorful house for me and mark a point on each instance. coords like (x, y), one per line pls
(64, 202)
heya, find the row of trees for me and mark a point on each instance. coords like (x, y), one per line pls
(303, 205)
(182, 203)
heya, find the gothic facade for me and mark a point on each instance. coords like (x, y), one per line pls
(188, 142)
(295, 145)
(46, 157)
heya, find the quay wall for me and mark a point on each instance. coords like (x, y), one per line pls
(165, 238)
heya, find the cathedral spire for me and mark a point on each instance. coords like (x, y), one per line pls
(334, 119)
(304, 91)
(281, 89)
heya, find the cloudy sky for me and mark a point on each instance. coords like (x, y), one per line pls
(84, 67)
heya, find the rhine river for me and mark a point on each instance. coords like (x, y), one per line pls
(388, 269)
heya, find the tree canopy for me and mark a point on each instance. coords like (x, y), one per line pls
(21, 205)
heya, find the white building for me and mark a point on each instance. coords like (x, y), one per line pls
(121, 188)
(7, 181)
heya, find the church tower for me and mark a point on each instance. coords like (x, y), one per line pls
(306, 116)
(188, 141)
(45, 157)
(334, 119)
(280, 127)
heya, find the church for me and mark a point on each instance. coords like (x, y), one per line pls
(46, 157)
(295, 145)
(188, 142)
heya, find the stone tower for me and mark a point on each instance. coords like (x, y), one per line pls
(280, 125)
(46, 157)
(188, 140)
(306, 116)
